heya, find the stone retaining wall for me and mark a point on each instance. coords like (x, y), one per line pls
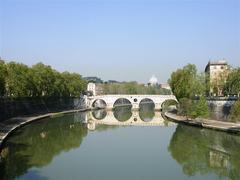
(32, 106)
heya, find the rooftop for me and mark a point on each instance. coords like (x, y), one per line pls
(214, 63)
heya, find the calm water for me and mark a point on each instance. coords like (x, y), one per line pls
(93, 146)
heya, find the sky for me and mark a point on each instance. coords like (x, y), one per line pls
(124, 40)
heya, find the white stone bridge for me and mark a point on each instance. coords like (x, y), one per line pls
(110, 101)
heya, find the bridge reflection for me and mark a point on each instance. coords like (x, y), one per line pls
(124, 116)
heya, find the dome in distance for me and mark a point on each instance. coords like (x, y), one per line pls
(153, 80)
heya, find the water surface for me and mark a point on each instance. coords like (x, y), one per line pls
(78, 146)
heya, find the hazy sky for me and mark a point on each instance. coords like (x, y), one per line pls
(120, 39)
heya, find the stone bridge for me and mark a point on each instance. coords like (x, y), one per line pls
(110, 101)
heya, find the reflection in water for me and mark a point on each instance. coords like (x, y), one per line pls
(201, 151)
(36, 144)
(146, 111)
(99, 114)
(124, 116)
(122, 113)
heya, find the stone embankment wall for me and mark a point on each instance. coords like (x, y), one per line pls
(33, 106)
(220, 106)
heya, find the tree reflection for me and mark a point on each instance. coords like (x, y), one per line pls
(204, 151)
(35, 145)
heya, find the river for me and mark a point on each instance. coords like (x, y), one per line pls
(120, 145)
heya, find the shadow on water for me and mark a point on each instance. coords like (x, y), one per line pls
(203, 151)
(36, 144)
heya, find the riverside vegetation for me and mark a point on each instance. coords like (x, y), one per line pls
(40, 80)
(190, 89)
(133, 88)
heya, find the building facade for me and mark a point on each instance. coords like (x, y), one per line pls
(216, 75)
(165, 86)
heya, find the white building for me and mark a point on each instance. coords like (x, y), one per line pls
(165, 86)
(92, 88)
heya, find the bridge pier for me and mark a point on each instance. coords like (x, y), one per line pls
(109, 106)
(158, 106)
(135, 106)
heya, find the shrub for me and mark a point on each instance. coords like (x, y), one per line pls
(235, 112)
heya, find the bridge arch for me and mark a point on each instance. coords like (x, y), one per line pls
(99, 103)
(167, 103)
(146, 103)
(120, 102)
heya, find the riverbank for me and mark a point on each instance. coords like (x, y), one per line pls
(29, 106)
(205, 123)
(10, 125)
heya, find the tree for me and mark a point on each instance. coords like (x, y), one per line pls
(186, 83)
(235, 112)
(185, 106)
(43, 78)
(3, 73)
(232, 85)
(60, 85)
(74, 84)
(200, 109)
(130, 88)
(133, 88)
(17, 80)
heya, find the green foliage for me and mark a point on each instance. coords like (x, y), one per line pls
(186, 83)
(185, 106)
(74, 83)
(193, 108)
(3, 73)
(19, 80)
(43, 78)
(133, 88)
(200, 109)
(232, 85)
(235, 112)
